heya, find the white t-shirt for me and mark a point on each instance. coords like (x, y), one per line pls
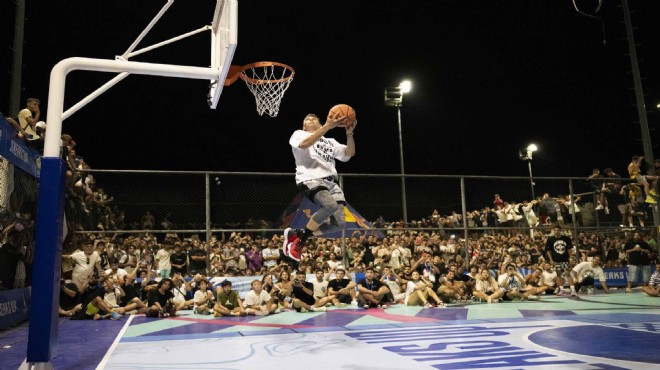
(410, 288)
(252, 299)
(548, 278)
(585, 269)
(317, 161)
(119, 274)
(84, 266)
(199, 296)
(320, 287)
(270, 252)
(25, 125)
(163, 258)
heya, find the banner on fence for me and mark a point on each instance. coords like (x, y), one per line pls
(14, 306)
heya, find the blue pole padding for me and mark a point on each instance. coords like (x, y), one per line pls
(42, 335)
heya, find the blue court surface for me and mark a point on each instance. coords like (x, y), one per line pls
(595, 331)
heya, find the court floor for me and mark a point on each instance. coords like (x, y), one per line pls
(596, 331)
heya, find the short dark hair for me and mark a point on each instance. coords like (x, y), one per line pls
(33, 99)
(225, 283)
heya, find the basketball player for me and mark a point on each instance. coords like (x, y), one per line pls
(316, 178)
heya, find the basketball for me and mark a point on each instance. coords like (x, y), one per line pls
(346, 111)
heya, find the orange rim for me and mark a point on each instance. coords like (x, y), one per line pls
(257, 81)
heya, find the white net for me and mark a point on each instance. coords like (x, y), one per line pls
(268, 82)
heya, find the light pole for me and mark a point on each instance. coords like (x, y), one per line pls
(526, 155)
(394, 98)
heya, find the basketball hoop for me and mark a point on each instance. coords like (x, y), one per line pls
(268, 82)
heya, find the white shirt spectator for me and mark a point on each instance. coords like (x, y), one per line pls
(270, 252)
(586, 269)
(252, 299)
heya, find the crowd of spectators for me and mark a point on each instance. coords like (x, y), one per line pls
(420, 263)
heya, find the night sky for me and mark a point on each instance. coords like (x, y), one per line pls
(489, 77)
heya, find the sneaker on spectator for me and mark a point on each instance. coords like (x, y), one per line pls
(557, 290)
(366, 306)
(590, 290)
(319, 309)
(341, 305)
(428, 305)
(533, 297)
(573, 293)
(354, 303)
(303, 310)
(115, 315)
(607, 211)
(654, 193)
(599, 207)
(628, 290)
(650, 200)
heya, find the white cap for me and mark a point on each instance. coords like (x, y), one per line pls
(41, 124)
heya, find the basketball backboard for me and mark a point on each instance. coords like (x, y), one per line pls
(224, 36)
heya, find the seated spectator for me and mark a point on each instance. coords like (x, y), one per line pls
(372, 292)
(418, 291)
(487, 288)
(94, 304)
(303, 295)
(320, 283)
(114, 271)
(228, 302)
(534, 282)
(258, 302)
(512, 282)
(393, 282)
(70, 299)
(183, 290)
(584, 273)
(160, 300)
(653, 287)
(204, 301)
(342, 289)
(451, 289)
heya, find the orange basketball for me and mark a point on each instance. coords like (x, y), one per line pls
(344, 110)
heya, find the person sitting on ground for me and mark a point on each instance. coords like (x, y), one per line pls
(258, 302)
(450, 289)
(371, 291)
(203, 299)
(418, 291)
(552, 282)
(512, 282)
(534, 282)
(393, 282)
(228, 302)
(342, 289)
(487, 288)
(70, 299)
(320, 284)
(653, 287)
(303, 295)
(94, 305)
(183, 291)
(584, 273)
(160, 302)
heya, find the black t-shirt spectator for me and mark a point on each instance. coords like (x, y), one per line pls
(67, 302)
(302, 295)
(559, 248)
(368, 257)
(637, 258)
(372, 285)
(179, 259)
(197, 266)
(156, 296)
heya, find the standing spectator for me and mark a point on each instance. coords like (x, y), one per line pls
(163, 262)
(254, 258)
(623, 205)
(573, 209)
(28, 118)
(559, 249)
(179, 260)
(85, 262)
(270, 255)
(147, 221)
(548, 209)
(197, 256)
(653, 288)
(638, 252)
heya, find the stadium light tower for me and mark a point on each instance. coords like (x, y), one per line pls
(526, 155)
(394, 98)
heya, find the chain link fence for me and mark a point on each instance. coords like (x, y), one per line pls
(206, 202)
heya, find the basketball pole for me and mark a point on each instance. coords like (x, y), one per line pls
(43, 329)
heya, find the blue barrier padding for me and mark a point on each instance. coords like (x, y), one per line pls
(16, 151)
(42, 338)
(14, 307)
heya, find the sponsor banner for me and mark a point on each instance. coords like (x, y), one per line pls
(14, 306)
(16, 151)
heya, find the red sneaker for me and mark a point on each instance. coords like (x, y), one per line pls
(289, 237)
(295, 249)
